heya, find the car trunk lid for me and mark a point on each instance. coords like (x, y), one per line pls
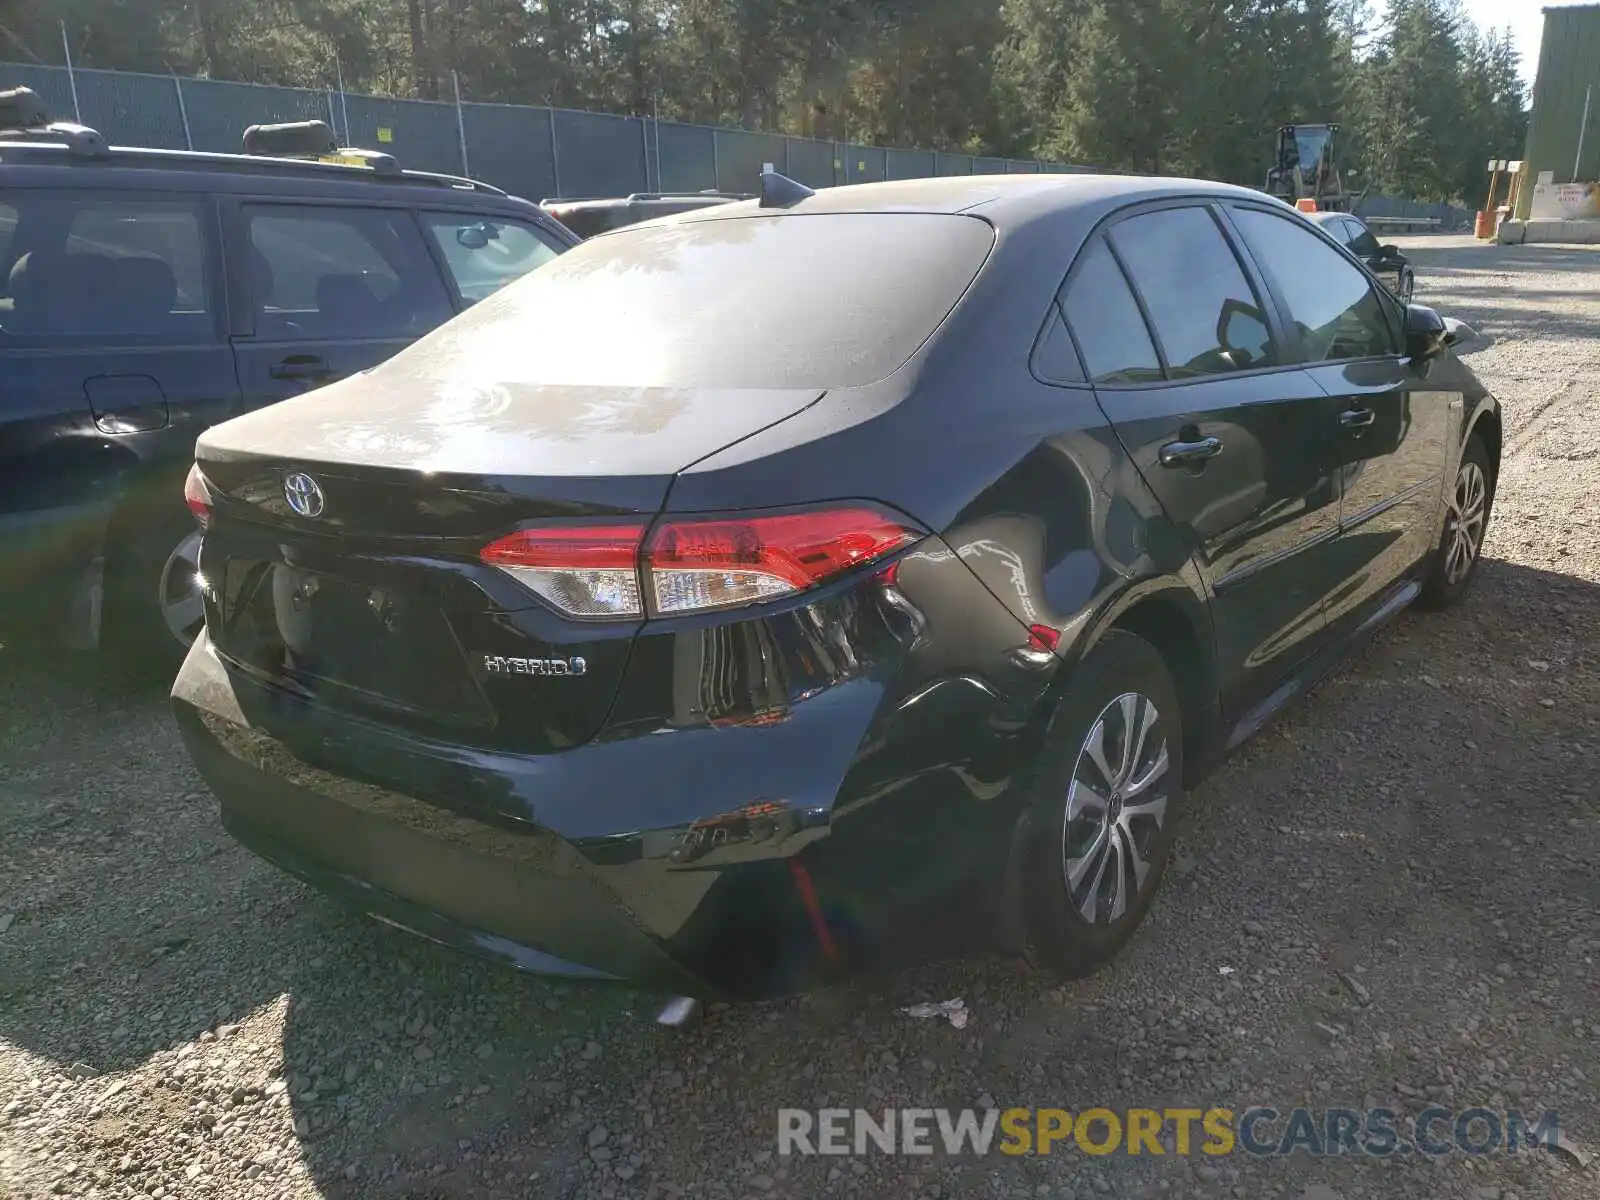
(344, 555)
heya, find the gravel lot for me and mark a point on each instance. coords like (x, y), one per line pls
(1401, 873)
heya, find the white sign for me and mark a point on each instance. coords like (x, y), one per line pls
(1565, 202)
(1546, 178)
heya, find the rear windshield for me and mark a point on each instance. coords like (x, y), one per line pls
(823, 301)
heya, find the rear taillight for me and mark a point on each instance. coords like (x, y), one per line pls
(695, 564)
(584, 570)
(197, 495)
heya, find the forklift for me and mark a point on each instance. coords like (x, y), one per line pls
(1306, 173)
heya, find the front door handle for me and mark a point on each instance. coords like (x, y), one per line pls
(1357, 418)
(302, 366)
(1189, 454)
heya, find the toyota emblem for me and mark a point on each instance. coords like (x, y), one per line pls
(304, 495)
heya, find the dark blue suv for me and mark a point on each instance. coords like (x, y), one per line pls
(148, 294)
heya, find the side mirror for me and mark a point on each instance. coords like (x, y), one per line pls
(1456, 332)
(473, 237)
(1426, 332)
(1242, 332)
(1389, 250)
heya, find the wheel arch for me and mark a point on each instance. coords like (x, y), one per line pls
(1487, 428)
(1178, 626)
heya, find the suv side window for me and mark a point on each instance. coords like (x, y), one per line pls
(340, 274)
(483, 254)
(1338, 229)
(8, 232)
(101, 266)
(1207, 317)
(1106, 322)
(1336, 311)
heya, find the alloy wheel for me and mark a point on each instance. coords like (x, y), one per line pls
(1464, 528)
(179, 594)
(1116, 808)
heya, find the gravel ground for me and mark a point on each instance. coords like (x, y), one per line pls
(1401, 874)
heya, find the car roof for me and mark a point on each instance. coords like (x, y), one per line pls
(137, 167)
(1002, 199)
(1322, 217)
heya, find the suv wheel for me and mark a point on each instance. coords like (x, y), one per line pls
(153, 609)
(1100, 822)
(1455, 560)
(178, 591)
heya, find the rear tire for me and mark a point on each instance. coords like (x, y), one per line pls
(1408, 287)
(152, 610)
(1098, 829)
(1455, 560)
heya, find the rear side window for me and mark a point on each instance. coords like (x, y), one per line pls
(1206, 316)
(1106, 321)
(83, 265)
(8, 230)
(341, 274)
(1362, 241)
(792, 301)
(1338, 230)
(1335, 310)
(483, 255)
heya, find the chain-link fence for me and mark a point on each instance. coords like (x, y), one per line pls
(534, 152)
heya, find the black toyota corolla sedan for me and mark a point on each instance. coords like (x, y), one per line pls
(715, 604)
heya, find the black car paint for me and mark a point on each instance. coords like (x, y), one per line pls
(870, 739)
(96, 435)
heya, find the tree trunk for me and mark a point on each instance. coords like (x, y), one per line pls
(205, 17)
(639, 99)
(422, 77)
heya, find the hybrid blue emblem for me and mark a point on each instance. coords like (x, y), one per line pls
(304, 495)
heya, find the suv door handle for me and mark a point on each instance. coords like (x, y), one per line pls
(302, 366)
(1189, 454)
(1357, 418)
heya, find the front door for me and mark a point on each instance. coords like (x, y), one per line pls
(327, 291)
(1389, 425)
(1229, 439)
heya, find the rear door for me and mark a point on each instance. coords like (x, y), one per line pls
(1389, 425)
(1230, 437)
(112, 360)
(326, 290)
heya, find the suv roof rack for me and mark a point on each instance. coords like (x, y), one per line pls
(24, 118)
(313, 140)
(25, 122)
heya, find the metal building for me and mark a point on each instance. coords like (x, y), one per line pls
(1564, 127)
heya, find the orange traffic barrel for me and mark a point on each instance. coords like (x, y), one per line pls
(1306, 204)
(1483, 225)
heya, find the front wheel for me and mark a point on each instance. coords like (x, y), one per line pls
(1455, 559)
(1099, 827)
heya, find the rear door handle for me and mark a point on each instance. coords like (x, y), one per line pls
(1357, 418)
(1189, 454)
(301, 366)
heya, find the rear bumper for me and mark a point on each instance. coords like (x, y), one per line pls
(428, 838)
